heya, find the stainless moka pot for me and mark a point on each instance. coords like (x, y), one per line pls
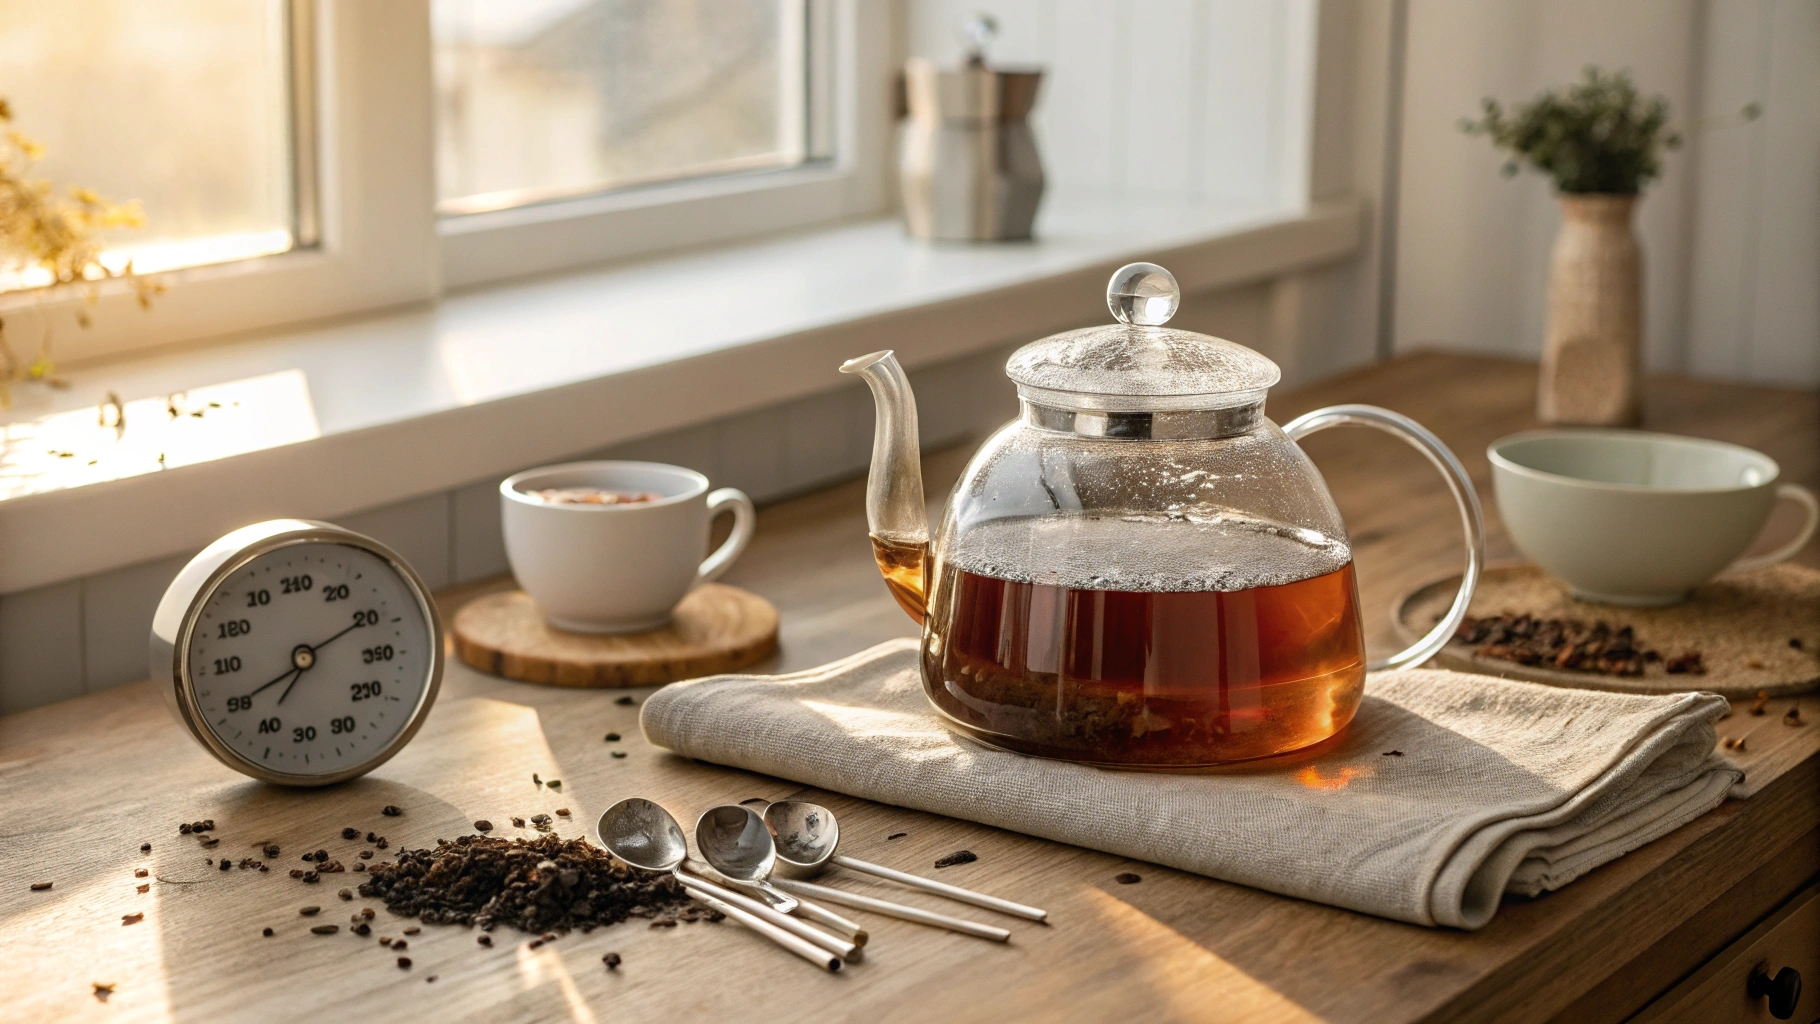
(969, 165)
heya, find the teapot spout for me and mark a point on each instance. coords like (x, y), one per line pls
(894, 490)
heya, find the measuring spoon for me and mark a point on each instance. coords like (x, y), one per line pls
(737, 844)
(645, 836)
(807, 834)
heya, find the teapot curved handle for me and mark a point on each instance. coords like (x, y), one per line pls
(1419, 438)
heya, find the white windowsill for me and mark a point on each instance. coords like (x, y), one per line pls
(339, 418)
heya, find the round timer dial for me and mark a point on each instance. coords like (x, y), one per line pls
(299, 652)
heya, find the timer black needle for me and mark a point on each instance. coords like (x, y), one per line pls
(274, 682)
(304, 657)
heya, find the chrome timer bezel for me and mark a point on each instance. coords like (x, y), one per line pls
(196, 584)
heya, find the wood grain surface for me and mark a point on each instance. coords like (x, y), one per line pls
(717, 628)
(1756, 632)
(84, 782)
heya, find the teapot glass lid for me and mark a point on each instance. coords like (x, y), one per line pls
(1137, 364)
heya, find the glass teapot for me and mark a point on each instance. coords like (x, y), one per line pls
(1141, 570)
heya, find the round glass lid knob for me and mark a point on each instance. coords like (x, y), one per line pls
(1143, 294)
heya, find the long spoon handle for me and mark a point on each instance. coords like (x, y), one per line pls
(823, 916)
(897, 910)
(839, 947)
(953, 892)
(801, 947)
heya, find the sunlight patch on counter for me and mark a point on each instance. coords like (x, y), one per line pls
(112, 441)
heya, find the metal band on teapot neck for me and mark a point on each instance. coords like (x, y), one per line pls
(1173, 425)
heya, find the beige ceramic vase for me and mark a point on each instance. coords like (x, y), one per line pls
(1591, 349)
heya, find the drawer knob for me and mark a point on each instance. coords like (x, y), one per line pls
(1783, 990)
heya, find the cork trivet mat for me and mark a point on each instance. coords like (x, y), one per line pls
(717, 628)
(1741, 623)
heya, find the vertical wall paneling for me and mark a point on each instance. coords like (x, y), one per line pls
(1730, 233)
(40, 646)
(117, 610)
(1785, 342)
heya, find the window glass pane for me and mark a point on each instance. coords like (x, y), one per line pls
(183, 105)
(545, 99)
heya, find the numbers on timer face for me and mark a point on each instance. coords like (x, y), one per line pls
(311, 658)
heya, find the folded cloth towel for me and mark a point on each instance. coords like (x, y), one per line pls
(1500, 786)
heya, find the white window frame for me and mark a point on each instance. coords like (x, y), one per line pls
(380, 241)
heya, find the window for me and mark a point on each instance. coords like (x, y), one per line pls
(552, 99)
(298, 159)
(185, 106)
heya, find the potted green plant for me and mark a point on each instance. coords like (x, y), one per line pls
(1602, 143)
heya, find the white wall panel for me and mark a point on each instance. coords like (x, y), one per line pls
(1730, 233)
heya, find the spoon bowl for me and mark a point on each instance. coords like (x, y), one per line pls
(735, 841)
(805, 834)
(643, 835)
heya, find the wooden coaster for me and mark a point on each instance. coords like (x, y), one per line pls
(1741, 624)
(717, 628)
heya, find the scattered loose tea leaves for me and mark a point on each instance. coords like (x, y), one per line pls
(1690, 664)
(270, 850)
(412, 930)
(1795, 642)
(535, 780)
(1393, 753)
(625, 701)
(1793, 717)
(753, 800)
(1734, 743)
(553, 783)
(41, 886)
(896, 835)
(226, 864)
(103, 989)
(619, 753)
(1761, 705)
(143, 888)
(346, 894)
(390, 811)
(613, 737)
(267, 933)
(145, 847)
(325, 929)
(132, 918)
(1127, 878)
(309, 911)
(404, 963)
(517, 822)
(612, 960)
(350, 833)
(1753, 663)
(483, 825)
(562, 812)
(140, 872)
(485, 940)
(361, 928)
(957, 857)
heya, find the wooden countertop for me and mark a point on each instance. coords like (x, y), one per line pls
(84, 782)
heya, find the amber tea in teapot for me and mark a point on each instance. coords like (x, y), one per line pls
(1172, 674)
(1141, 570)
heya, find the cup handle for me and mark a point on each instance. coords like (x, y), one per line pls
(745, 521)
(1471, 519)
(1800, 496)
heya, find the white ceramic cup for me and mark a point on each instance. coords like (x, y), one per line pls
(1632, 518)
(617, 568)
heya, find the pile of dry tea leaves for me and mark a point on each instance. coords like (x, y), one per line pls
(545, 884)
(1568, 644)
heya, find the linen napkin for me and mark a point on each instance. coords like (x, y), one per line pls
(1499, 786)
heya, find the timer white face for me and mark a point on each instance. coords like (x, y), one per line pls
(308, 655)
